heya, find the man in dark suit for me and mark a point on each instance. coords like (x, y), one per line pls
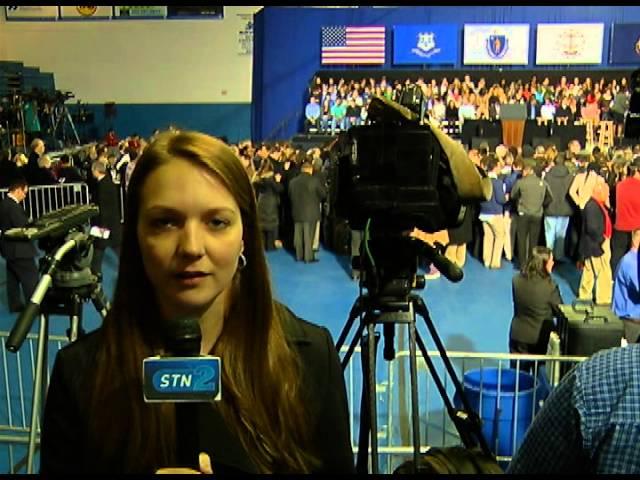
(306, 193)
(19, 254)
(533, 108)
(106, 198)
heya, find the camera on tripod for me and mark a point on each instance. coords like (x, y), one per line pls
(64, 96)
(66, 278)
(388, 179)
(66, 283)
(395, 175)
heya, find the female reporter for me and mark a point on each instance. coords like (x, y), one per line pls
(192, 247)
(535, 298)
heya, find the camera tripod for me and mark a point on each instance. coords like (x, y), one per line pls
(59, 292)
(16, 132)
(59, 115)
(389, 311)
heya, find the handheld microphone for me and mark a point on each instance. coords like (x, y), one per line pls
(184, 377)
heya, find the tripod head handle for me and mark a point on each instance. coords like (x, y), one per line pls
(450, 270)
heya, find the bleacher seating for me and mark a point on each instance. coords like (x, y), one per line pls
(16, 78)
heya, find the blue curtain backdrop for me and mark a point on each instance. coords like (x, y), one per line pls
(287, 47)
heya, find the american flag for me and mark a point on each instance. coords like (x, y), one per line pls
(352, 45)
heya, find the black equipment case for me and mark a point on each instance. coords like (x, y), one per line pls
(585, 328)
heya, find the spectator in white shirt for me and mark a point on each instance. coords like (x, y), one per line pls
(548, 110)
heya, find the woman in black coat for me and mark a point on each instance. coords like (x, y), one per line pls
(535, 298)
(191, 250)
(268, 189)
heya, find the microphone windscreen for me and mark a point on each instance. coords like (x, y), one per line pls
(182, 336)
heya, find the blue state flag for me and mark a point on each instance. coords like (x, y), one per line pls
(625, 44)
(425, 44)
(496, 44)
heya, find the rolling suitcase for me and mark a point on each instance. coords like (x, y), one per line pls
(585, 328)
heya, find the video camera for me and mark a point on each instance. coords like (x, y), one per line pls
(64, 96)
(55, 229)
(394, 175)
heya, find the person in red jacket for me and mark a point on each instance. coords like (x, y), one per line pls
(627, 213)
(111, 139)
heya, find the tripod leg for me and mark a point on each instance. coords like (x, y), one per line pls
(368, 410)
(415, 414)
(365, 426)
(355, 311)
(73, 127)
(371, 384)
(469, 426)
(41, 371)
(100, 301)
(75, 329)
(352, 347)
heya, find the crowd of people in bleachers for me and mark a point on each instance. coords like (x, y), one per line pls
(337, 104)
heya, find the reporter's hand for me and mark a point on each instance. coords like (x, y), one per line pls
(203, 460)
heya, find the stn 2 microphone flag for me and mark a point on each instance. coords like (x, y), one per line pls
(349, 45)
(625, 43)
(496, 44)
(569, 43)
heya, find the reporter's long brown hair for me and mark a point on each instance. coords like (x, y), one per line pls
(262, 399)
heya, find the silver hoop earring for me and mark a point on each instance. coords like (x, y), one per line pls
(242, 261)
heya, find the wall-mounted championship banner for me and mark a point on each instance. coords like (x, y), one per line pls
(85, 13)
(425, 44)
(569, 43)
(245, 34)
(625, 43)
(146, 11)
(32, 12)
(496, 44)
(200, 11)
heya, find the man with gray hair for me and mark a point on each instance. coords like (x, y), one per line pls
(31, 169)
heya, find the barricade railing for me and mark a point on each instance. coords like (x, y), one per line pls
(436, 428)
(392, 387)
(16, 376)
(43, 199)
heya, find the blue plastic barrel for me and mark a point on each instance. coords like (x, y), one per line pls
(497, 406)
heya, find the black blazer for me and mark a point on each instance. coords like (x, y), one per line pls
(8, 171)
(43, 176)
(534, 302)
(268, 200)
(66, 446)
(12, 215)
(592, 230)
(106, 197)
(306, 193)
(70, 175)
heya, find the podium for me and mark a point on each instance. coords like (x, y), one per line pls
(513, 118)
